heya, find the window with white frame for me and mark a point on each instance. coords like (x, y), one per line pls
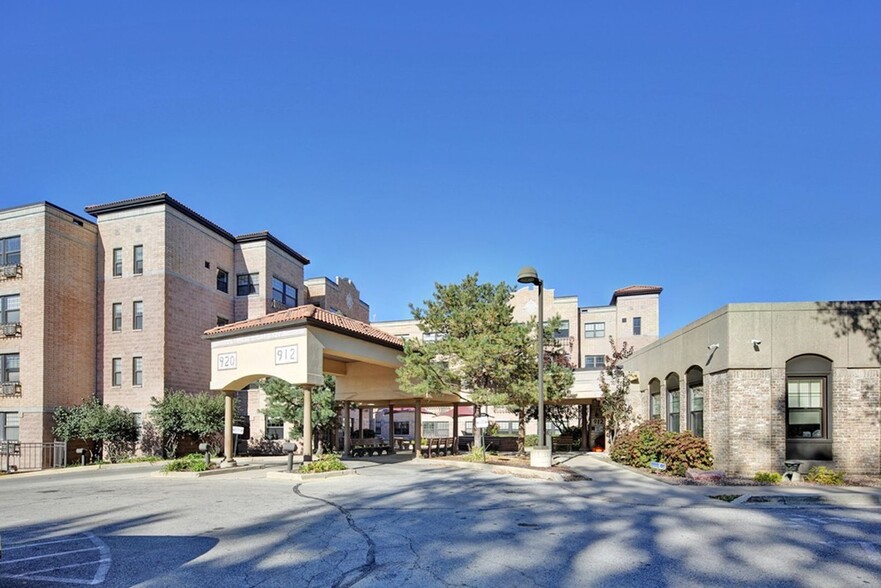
(10, 367)
(117, 316)
(284, 292)
(432, 337)
(562, 331)
(274, 428)
(469, 427)
(10, 424)
(10, 251)
(673, 411)
(116, 371)
(594, 330)
(10, 309)
(804, 407)
(436, 429)
(594, 362)
(138, 315)
(117, 262)
(137, 371)
(138, 260)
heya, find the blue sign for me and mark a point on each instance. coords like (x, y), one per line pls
(658, 465)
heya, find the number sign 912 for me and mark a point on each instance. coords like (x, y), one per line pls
(286, 354)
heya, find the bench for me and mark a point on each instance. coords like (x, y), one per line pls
(362, 447)
(563, 441)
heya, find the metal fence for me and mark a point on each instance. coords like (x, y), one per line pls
(15, 456)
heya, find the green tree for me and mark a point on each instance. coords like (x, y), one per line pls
(285, 401)
(477, 352)
(114, 430)
(615, 386)
(180, 414)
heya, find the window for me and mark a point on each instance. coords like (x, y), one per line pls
(804, 399)
(138, 315)
(655, 399)
(274, 428)
(223, 281)
(594, 362)
(9, 367)
(10, 251)
(695, 380)
(637, 325)
(9, 426)
(673, 411)
(222, 320)
(137, 371)
(436, 429)
(562, 331)
(116, 323)
(508, 427)
(469, 427)
(432, 337)
(594, 330)
(402, 428)
(284, 293)
(10, 309)
(247, 284)
(116, 369)
(138, 260)
(117, 262)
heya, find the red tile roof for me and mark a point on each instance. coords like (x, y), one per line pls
(634, 291)
(309, 314)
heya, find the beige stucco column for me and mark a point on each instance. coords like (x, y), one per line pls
(228, 404)
(307, 422)
(347, 429)
(391, 428)
(456, 428)
(417, 434)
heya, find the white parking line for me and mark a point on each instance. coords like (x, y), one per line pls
(43, 571)
(46, 574)
(12, 561)
(26, 545)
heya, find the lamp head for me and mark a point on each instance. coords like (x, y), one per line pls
(528, 275)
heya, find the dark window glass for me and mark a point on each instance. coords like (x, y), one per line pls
(138, 260)
(637, 325)
(247, 284)
(117, 316)
(223, 281)
(594, 362)
(137, 371)
(138, 315)
(284, 293)
(222, 321)
(10, 309)
(117, 262)
(117, 371)
(804, 410)
(594, 330)
(274, 428)
(673, 411)
(9, 367)
(10, 251)
(697, 409)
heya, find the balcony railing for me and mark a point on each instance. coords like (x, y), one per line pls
(10, 389)
(10, 272)
(10, 330)
(565, 342)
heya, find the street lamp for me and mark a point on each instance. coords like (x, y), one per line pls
(528, 275)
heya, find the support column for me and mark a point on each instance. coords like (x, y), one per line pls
(585, 424)
(347, 429)
(455, 428)
(307, 423)
(228, 449)
(417, 434)
(391, 428)
(360, 422)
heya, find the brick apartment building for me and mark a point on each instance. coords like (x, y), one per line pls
(116, 308)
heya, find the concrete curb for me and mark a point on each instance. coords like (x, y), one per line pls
(298, 477)
(88, 468)
(502, 469)
(217, 472)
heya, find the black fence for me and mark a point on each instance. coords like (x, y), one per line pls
(16, 456)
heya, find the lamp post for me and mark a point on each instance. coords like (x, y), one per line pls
(528, 275)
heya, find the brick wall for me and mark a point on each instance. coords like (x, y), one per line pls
(856, 419)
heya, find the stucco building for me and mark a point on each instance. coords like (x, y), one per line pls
(765, 383)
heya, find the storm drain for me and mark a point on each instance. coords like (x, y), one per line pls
(786, 500)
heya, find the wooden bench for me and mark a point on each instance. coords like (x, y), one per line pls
(362, 447)
(563, 441)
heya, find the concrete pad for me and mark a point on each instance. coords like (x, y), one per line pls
(298, 477)
(217, 472)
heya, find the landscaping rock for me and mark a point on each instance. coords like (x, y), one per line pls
(705, 476)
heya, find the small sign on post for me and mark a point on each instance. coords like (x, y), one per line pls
(238, 430)
(482, 422)
(656, 465)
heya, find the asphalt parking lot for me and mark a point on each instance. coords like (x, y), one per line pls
(424, 524)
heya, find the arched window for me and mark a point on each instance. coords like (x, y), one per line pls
(808, 426)
(655, 399)
(694, 379)
(673, 403)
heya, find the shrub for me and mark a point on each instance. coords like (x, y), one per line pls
(179, 414)
(823, 475)
(194, 462)
(650, 441)
(531, 441)
(768, 477)
(114, 429)
(329, 462)
(476, 454)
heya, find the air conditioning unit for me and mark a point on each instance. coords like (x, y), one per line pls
(10, 271)
(11, 329)
(10, 389)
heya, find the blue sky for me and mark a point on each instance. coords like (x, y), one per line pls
(726, 153)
